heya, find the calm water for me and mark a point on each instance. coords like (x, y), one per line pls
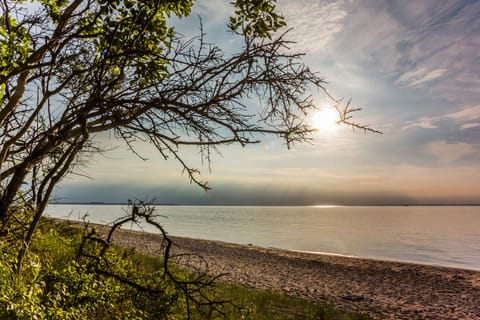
(448, 236)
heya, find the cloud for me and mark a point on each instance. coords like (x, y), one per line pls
(413, 43)
(470, 125)
(412, 75)
(465, 114)
(416, 77)
(463, 117)
(432, 44)
(315, 23)
(449, 152)
(425, 123)
(441, 36)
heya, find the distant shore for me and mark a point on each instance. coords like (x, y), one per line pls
(279, 204)
(391, 290)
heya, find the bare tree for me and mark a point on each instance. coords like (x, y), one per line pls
(71, 69)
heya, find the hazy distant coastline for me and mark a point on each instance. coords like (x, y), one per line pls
(280, 205)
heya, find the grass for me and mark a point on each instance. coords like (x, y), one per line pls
(270, 305)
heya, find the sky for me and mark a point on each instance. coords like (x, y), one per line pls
(412, 66)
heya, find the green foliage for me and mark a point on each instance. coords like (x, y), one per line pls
(53, 7)
(53, 284)
(2, 87)
(118, 26)
(19, 293)
(14, 46)
(256, 18)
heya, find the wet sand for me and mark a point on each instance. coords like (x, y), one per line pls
(389, 290)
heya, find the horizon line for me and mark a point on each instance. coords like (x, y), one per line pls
(329, 205)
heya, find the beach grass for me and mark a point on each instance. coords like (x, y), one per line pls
(270, 305)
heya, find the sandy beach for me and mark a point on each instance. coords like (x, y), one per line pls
(386, 289)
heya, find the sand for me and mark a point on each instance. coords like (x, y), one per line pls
(385, 289)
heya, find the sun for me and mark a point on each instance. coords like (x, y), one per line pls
(325, 120)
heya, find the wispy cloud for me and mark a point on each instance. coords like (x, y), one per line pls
(411, 43)
(466, 118)
(315, 23)
(439, 39)
(416, 77)
(470, 125)
(465, 114)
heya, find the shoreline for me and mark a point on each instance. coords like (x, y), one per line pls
(387, 260)
(387, 289)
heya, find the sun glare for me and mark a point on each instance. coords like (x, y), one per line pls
(325, 120)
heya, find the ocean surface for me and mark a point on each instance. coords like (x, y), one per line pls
(438, 235)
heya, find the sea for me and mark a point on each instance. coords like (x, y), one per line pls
(434, 235)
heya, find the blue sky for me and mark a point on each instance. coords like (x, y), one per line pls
(412, 66)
